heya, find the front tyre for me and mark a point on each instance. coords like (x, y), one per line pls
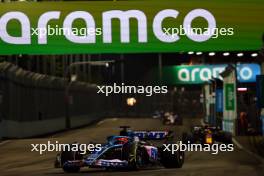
(169, 160)
(139, 159)
(66, 158)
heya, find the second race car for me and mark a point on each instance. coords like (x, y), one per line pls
(207, 135)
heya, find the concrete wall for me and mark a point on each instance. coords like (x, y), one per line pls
(16, 129)
(32, 104)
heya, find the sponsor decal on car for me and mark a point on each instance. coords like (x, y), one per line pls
(111, 163)
(151, 134)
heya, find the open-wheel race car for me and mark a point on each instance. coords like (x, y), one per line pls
(130, 150)
(168, 118)
(207, 135)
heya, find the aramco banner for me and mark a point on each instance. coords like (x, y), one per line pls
(130, 26)
(229, 122)
(198, 74)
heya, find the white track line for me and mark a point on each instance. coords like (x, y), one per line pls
(4, 142)
(237, 143)
(105, 120)
(202, 122)
(100, 123)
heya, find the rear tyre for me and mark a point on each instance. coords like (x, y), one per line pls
(226, 138)
(186, 137)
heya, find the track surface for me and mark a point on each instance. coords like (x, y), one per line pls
(16, 157)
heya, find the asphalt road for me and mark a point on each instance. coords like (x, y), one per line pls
(16, 157)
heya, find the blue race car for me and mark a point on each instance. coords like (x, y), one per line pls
(129, 150)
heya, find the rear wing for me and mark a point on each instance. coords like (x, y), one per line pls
(153, 135)
(205, 127)
(146, 134)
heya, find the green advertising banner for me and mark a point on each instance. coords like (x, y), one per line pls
(199, 74)
(230, 100)
(130, 26)
(230, 97)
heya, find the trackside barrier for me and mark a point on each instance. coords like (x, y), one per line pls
(34, 104)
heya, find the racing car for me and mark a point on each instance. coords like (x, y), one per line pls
(128, 150)
(171, 118)
(207, 135)
(168, 118)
